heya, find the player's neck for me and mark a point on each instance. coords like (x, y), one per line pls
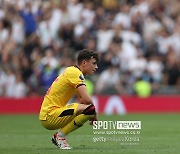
(81, 69)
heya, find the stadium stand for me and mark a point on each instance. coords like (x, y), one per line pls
(135, 38)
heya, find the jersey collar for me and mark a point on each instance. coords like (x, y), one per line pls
(77, 67)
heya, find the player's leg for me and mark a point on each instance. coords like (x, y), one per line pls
(59, 118)
(84, 113)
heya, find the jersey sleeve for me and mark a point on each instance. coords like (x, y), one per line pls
(75, 78)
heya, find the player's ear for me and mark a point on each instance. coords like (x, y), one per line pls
(84, 62)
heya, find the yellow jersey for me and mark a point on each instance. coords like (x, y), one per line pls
(61, 90)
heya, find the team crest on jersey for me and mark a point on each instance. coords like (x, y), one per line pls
(81, 77)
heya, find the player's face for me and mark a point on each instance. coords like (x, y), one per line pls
(90, 66)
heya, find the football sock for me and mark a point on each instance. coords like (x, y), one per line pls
(79, 120)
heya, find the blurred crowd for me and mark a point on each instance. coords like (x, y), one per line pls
(138, 40)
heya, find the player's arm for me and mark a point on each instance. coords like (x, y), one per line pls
(85, 99)
(83, 95)
(79, 98)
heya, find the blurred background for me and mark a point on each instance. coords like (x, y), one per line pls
(138, 40)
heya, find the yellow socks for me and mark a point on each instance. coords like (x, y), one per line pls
(77, 122)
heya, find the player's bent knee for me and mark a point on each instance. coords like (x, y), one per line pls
(90, 110)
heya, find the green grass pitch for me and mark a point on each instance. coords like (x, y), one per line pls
(160, 134)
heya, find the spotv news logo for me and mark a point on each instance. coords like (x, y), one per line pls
(116, 124)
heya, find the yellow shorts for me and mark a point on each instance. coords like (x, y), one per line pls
(60, 117)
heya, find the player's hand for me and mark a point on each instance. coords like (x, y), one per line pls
(94, 118)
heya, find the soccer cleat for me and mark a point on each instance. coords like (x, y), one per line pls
(60, 142)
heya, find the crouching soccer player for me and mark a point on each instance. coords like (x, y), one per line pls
(55, 114)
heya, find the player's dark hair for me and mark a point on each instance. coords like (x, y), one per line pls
(86, 54)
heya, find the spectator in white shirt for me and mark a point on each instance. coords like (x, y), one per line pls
(154, 68)
(20, 88)
(104, 37)
(3, 78)
(10, 82)
(88, 15)
(109, 80)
